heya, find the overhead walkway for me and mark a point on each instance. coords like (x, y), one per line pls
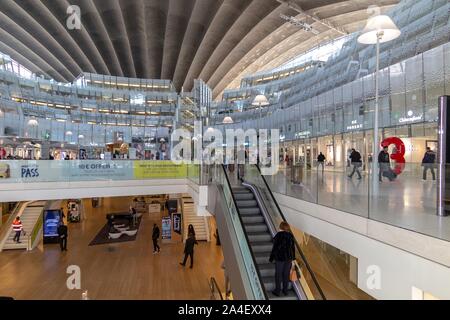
(31, 215)
(247, 217)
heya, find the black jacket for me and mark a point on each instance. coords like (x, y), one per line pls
(383, 157)
(355, 157)
(321, 158)
(429, 157)
(62, 231)
(283, 247)
(155, 234)
(189, 246)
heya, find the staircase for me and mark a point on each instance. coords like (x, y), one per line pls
(200, 223)
(29, 217)
(260, 240)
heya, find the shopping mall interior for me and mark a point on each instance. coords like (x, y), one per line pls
(136, 139)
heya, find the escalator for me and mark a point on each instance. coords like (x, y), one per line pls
(247, 217)
(260, 239)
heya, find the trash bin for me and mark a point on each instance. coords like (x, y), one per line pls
(297, 174)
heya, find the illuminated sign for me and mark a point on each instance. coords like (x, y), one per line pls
(410, 118)
(355, 125)
(303, 134)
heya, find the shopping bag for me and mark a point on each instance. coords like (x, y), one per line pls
(294, 274)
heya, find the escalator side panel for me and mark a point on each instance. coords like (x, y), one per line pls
(233, 267)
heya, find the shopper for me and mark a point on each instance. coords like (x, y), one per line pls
(428, 163)
(155, 237)
(384, 164)
(191, 230)
(321, 161)
(62, 234)
(189, 250)
(241, 163)
(17, 228)
(355, 160)
(283, 252)
(133, 213)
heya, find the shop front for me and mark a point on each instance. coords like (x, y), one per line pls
(337, 148)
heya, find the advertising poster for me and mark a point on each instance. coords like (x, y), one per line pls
(154, 208)
(166, 227)
(177, 222)
(100, 170)
(31, 171)
(159, 170)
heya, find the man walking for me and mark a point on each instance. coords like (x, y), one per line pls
(321, 161)
(17, 228)
(385, 163)
(62, 233)
(355, 160)
(155, 237)
(428, 163)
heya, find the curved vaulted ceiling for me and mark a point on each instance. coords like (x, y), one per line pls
(218, 41)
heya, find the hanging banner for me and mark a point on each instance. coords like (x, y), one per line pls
(177, 222)
(166, 227)
(159, 170)
(99, 170)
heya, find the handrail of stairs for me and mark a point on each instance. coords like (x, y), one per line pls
(6, 230)
(36, 229)
(214, 287)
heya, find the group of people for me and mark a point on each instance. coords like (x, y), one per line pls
(191, 241)
(384, 162)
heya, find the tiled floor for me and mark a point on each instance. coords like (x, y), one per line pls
(407, 202)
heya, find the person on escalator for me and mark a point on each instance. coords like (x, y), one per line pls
(283, 253)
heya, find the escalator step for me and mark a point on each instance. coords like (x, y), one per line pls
(247, 204)
(240, 190)
(267, 269)
(269, 283)
(250, 211)
(265, 247)
(252, 219)
(256, 237)
(262, 257)
(244, 196)
(256, 227)
(291, 296)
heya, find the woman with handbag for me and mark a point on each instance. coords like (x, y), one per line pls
(283, 253)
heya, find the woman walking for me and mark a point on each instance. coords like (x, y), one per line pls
(283, 252)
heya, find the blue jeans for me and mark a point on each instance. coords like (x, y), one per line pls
(17, 236)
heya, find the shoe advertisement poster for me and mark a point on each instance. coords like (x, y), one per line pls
(176, 222)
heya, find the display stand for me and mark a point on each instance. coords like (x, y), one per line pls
(74, 211)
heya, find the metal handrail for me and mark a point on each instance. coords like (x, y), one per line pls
(34, 233)
(245, 233)
(215, 287)
(302, 255)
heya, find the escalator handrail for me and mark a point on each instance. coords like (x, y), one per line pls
(302, 255)
(245, 233)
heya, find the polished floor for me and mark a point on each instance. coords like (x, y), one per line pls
(408, 202)
(118, 271)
